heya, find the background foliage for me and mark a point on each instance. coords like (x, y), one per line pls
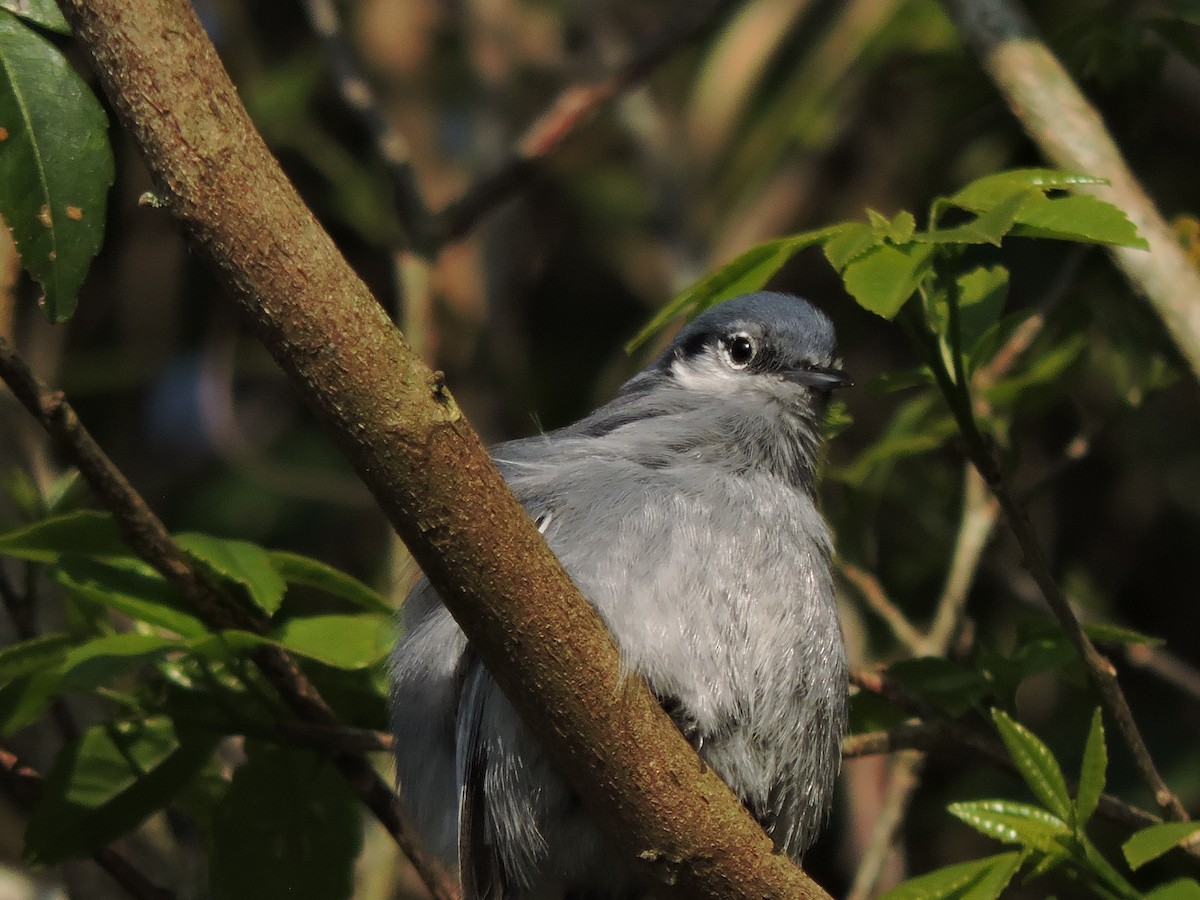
(786, 116)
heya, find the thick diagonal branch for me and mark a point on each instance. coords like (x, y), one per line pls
(407, 439)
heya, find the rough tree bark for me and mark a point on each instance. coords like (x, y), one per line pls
(398, 424)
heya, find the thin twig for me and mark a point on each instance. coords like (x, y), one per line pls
(1101, 672)
(976, 523)
(573, 107)
(148, 537)
(933, 732)
(416, 219)
(875, 596)
(25, 783)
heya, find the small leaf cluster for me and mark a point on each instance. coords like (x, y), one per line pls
(1051, 835)
(169, 690)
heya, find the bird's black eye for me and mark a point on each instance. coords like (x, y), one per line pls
(740, 348)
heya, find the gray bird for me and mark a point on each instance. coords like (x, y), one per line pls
(686, 511)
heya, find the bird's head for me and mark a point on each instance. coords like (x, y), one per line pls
(764, 346)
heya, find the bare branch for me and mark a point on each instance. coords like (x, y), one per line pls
(570, 110)
(875, 596)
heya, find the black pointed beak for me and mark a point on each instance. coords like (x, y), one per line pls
(822, 377)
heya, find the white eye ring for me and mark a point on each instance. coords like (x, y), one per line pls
(740, 350)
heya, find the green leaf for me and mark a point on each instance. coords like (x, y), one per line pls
(102, 659)
(26, 698)
(297, 569)
(1102, 631)
(1091, 772)
(883, 278)
(44, 13)
(991, 190)
(288, 827)
(1179, 889)
(242, 562)
(747, 272)
(129, 588)
(1014, 823)
(347, 642)
(1046, 369)
(1079, 217)
(106, 783)
(33, 655)
(979, 879)
(82, 533)
(850, 244)
(981, 296)
(1036, 764)
(55, 164)
(1151, 843)
(988, 227)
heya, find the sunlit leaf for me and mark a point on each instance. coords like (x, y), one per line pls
(748, 272)
(297, 569)
(240, 561)
(990, 190)
(1079, 217)
(979, 879)
(1151, 843)
(44, 13)
(1014, 823)
(347, 642)
(127, 587)
(883, 278)
(1036, 764)
(1091, 772)
(1179, 889)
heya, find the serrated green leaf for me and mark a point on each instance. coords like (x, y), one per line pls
(33, 655)
(44, 13)
(1151, 843)
(242, 562)
(988, 227)
(55, 164)
(288, 827)
(104, 784)
(1014, 823)
(883, 278)
(128, 587)
(902, 227)
(81, 533)
(1079, 217)
(991, 190)
(346, 642)
(979, 879)
(747, 272)
(1036, 764)
(850, 244)
(1179, 889)
(1091, 772)
(297, 569)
